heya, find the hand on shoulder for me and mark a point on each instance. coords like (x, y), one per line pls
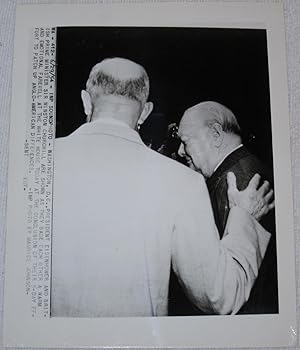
(257, 200)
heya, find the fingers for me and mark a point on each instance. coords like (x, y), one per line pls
(231, 181)
(268, 205)
(272, 205)
(268, 197)
(253, 183)
(264, 188)
(265, 209)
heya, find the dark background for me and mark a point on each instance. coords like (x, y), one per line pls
(185, 66)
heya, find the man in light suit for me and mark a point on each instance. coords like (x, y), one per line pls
(122, 214)
(212, 145)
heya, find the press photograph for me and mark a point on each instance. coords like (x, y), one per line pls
(163, 183)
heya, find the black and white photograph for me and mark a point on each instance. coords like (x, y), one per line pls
(149, 181)
(149, 121)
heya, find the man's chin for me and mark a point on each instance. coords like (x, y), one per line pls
(191, 165)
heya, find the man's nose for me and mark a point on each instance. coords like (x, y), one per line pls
(181, 151)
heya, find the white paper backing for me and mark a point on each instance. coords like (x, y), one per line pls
(7, 23)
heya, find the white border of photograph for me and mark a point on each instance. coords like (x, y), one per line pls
(20, 329)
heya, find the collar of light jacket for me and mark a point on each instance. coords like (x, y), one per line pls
(109, 127)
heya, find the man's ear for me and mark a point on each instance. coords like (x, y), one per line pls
(87, 105)
(145, 113)
(217, 134)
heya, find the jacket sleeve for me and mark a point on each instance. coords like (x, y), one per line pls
(217, 275)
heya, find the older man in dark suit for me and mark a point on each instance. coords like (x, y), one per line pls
(212, 145)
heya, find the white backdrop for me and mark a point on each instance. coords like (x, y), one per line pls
(7, 21)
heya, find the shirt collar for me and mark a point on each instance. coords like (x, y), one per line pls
(234, 149)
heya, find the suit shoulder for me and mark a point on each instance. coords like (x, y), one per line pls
(164, 163)
(250, 165)
(65, 142)
(246, 167)
(168, 162)
(61, 140)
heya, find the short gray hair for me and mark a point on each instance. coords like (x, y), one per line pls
(136, 89)
(221, 115)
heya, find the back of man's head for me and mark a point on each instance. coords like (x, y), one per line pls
(118, 77)
(217, 113)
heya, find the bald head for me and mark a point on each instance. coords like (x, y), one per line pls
(210, 112)
(120, 68)
(119, 77)
(208, 131)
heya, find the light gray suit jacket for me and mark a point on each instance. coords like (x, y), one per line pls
(122, 214)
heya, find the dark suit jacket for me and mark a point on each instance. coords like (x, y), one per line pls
(264, 295)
